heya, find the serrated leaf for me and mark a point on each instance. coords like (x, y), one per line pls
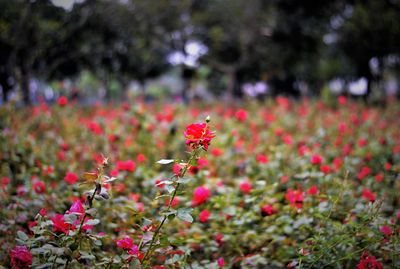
(165, 161)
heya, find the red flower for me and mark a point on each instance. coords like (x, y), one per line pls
(4, 182)
(128, 165)
(386, 230)
(241, 115)
(295, 198)
(39, 187)
(267, 210)
(43, 212)
(200, 195)
(368, 262)
(198, 134)
(141, 158)
(62, 101)
(368, 195)
(325, 169)
(21, 257)
(204, 215)
(59, 224)
(316, 159)
(365, 171)
(313, 190)
(221, 262)
(261, 158)
(71, 178)
(127, 244)
(245, 187)
(217, 152)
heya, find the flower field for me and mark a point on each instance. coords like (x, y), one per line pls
(283, 184)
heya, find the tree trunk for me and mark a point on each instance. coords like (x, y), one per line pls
(5, 86)
(230, 89)
(24, 84)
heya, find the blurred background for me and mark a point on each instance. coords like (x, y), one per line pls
(187, 50)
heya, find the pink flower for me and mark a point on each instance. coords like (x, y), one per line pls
(198, 134)
(71, 178)
(245, 187)
(204, 215)
(127, 244)
(77, 207)
(386, 230)
(21, 257)
(261, 158)
(200, 195)
(221, 262)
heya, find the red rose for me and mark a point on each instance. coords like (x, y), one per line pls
(59, 225)
(198, 134)
(128, 165)
(316, 159)
(39, 187)
(200, 195)
(368, 195)
(245, 187)
(241, 115)
(71, 178)
(204, 215)
(62, 101)
(21, 257)
(368, 262)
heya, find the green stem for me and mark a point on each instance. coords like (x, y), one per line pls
(153, 240)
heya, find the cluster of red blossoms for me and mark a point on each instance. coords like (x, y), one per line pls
(20, 257)
(368, 262)
(198, 134)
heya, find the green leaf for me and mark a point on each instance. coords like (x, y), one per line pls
(21, 235)
(146, 222)
(184, 180)
(184, 214)
(165, 161)
(170, 188)
(165, 182)
(92, 222)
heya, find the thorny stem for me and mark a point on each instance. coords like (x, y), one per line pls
(185, 169)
